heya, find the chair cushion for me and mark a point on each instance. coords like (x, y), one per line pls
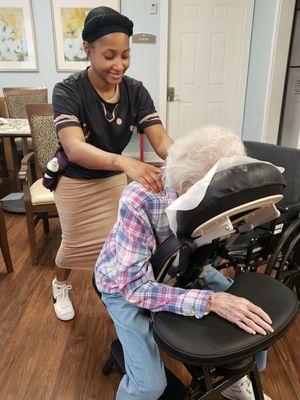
(39, 194)
(213, 341)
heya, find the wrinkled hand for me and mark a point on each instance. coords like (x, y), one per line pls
(241, 312)
(143, 173)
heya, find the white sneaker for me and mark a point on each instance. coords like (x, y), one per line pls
(241, 390)
(62, 304)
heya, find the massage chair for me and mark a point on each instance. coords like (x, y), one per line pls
(214, 351)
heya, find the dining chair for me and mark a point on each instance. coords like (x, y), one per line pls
(39, 201)
(3, 108)
(17, 98)
(4, 243)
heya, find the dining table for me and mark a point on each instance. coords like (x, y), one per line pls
(14, 128)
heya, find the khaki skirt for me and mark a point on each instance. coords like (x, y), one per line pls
(87, 210)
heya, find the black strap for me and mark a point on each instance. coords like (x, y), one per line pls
(164, 253)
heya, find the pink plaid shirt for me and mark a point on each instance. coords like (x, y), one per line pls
(124, 262)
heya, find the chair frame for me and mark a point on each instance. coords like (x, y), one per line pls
(4, 243)
(8, 161)
(277, 251)
(203, 385)
(11, 143)
(35, 213)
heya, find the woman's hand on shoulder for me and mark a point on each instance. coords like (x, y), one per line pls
(145, 174)
(241, 312)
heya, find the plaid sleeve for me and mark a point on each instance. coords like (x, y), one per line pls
(134, 246)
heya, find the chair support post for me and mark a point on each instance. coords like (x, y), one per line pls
(256, 383)
(4, 243)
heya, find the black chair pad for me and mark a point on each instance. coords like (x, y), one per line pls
(211, 340)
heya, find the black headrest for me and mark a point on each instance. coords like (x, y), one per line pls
(231, 188)
(285, 157)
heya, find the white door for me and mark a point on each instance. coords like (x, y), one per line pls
(209, 45)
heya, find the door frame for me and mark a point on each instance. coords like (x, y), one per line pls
(164, 59)
(283, 23)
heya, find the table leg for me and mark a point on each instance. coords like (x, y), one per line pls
(24, 146)
(8, 153)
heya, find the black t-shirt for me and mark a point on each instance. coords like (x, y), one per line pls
(108, 126)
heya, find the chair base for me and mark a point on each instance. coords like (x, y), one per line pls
(14, 202)
(206, 382)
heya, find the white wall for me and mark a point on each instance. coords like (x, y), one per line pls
(46, 75)
(260, 52)
(144, 57)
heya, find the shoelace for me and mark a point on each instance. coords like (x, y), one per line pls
(249, 386)
(246, 384)
(63, 292)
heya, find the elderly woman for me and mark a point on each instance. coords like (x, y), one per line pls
(124, 275)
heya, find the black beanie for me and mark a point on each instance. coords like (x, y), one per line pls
(101, 21)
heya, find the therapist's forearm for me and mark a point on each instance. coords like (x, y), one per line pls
(159, 140)
(89, 156)
(162, 149)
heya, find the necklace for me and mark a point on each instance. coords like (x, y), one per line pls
(112, 116)
(113, 99)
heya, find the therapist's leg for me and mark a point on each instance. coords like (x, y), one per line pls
(60, 290)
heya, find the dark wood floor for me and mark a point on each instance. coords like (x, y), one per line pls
(43, 358)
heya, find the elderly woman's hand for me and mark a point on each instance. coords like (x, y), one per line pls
(241, 312)
(146, 174)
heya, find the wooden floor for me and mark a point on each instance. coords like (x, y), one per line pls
(43, 358)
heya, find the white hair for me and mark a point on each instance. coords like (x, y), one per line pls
(191, 157)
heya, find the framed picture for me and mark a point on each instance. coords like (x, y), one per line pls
(68, 18)
(17, 41)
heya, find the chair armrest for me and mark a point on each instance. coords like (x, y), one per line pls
(289, 207)
(25, 171)
(25, 176)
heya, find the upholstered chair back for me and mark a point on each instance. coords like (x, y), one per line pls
(44, 138)
(18, 98)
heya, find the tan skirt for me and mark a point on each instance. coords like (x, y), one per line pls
(87, 209)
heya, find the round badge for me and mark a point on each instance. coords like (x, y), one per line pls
(119, 121)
